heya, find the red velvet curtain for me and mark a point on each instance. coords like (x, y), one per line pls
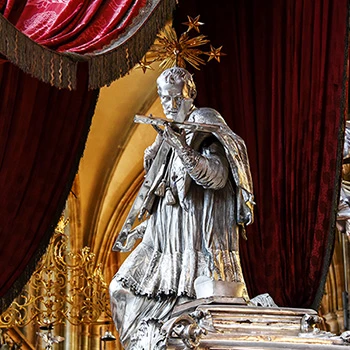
(280, 88)
(42, 134)
(43, 129)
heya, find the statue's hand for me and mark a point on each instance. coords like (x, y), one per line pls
(126, 239)
(130, 242)
(120, 242)
(175, 139)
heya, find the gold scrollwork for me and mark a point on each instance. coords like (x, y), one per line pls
(65, 286)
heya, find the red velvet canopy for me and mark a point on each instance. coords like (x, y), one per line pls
(69, 44)
(48, 38)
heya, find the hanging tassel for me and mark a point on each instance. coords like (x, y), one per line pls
(169, 197)
(160, 191)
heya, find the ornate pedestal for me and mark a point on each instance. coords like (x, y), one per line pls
(221, 323)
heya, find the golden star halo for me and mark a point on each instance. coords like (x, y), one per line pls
(171, 50)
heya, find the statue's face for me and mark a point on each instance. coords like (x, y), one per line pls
(171, 97)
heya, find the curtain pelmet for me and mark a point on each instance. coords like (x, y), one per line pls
(48, 39)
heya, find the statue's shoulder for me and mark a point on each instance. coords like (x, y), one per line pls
(206, 115)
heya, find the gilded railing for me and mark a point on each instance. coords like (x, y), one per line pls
(66, 286)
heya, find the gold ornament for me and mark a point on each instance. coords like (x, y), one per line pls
(65, 286)
(143, 64)
(171, 50)
(61, 225)
(215, 53)
(193, 23)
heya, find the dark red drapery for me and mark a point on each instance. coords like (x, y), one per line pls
(43, 129)
(280, 89)
(42, 134)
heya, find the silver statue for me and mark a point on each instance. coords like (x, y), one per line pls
(197, 198)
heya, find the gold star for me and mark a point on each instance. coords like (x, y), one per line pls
(193, 23)
(143, 64)
(215, 53)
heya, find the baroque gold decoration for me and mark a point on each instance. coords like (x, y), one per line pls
(6, 342)
(65, 286)
(173, 51)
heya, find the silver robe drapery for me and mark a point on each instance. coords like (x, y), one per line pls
(193, 234)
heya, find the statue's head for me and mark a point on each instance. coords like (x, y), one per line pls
(174, 85)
